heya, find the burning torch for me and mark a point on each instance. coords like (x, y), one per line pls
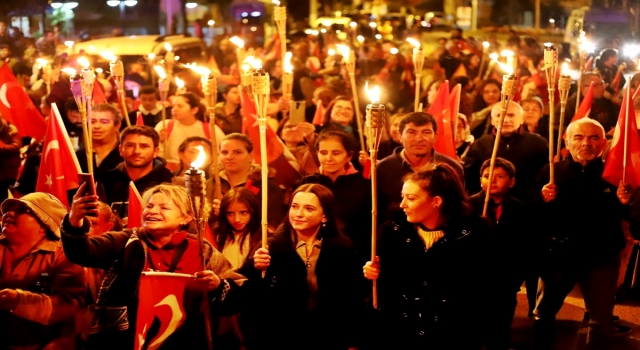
(418, 62)
(550, 68)
(260, 88)
(76, 89)
(117, 72)
(509, 86)
(375, 125)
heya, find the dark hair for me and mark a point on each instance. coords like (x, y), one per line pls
(240, 137)
(70, 105)
(606, 54)
(188, 140)
(347, 141)
(478, 103)
(194, 102)
(141, 130)
(500, 163)
(224, 230)
(148, 90)
(106, 107)
(442, 180)
(327, 202)
(327, 114)
(418, 119)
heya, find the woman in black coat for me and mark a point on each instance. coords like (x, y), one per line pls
(310, 294)
(430, 266)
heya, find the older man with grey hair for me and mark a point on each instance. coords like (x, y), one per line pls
(580, 224)
(528, 152)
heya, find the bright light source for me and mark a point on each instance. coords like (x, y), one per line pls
(494, 56)
(177, 58)
(506, 53)
(413, 42)
(255, 14)
(587, 46)
(353, 24)
(191, 5)
(69, 70)
(237, 41)
(113, 3)
(379, 36)
(315, 32)
(244, 14)
(373, 93)
(373, 24)
(326, 23)
(486, 44)
(151, 55)
(323, 30)
(168, 47)
(161, 73)
(211, 22)
(253, 29)
(83, 62)
(288, 68)
(69, 43)
(276, 2)
(360, 39)
(56, 5)
(552, 21)
(393, 51)
(130, 3)
(631, 50)
(109, 56)
(71, 5)
(99, 70)
(331, 52)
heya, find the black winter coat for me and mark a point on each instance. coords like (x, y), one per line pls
(116, 181)
(427, 298)
(283, 296)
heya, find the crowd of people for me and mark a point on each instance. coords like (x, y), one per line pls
(69, 276)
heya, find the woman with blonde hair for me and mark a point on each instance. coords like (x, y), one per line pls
(164, 243)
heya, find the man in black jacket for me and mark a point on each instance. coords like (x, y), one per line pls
(582, 236)
(528, 152)
(139, 146)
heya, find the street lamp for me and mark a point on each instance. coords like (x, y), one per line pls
(68, 5)
(122, 4)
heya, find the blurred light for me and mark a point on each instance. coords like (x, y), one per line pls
(378, 36)
(323, 30)
(245, 21)
(177, 58)
(631, 50)
(56, 5)
(83, 61)
(373, 24)
(552, 21)
(326, 23)
(69, 43)
(112, 3)
(211, 22)
(237, 41)
(587, 46)
(425, 24)
(168, 47)
(506, 53)
(151, 56)
(69, 70)
(331, 52)
(109, 56)
(253, 29)
(353, 24)
(255, 14)
(338, 14)
(360, 39)
(276, 2)
(244, 14)
(99, 70)
(486, 44)
(130, 3)
(494, 56)
(191, 5)
(338, 31)
(393, 51)
(71, 5)
(413, 42)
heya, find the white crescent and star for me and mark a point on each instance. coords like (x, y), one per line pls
(176, 317)
(3, 95)
(53, 144)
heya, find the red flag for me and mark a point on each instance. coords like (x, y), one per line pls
(59, 166)
(247, 105)
(139, 120)
(98, 96)
(454, 107)
(161, 311)
(613, 168)
(273, 49)
(440, 110)
(134, 216)
(17, 108)
(318, 117)
(585, 105)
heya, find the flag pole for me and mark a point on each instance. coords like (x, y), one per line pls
(375, 114)
(564, 85)
(210, 91)
(508, 92)
(195, 186)
(76, 89)
(260, 89)
(551, 67)
(163, 90)
(626, 133)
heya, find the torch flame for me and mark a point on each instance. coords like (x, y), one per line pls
(494, 56)
(331, 52)
(179, 83)
(200, 70)
(199, 162)
(109, 56)
(168, 47)
(151, 55)
(160, 72)
(288, 68)
(83, 62)
(565, 69)
(252, 62)
(69, 70)
(486, 44)
(413, 42)
(345, 52)
(506, 53)
(41, 62)
(237, 41)
(373, 94)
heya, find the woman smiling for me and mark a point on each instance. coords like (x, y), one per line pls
(163, 244)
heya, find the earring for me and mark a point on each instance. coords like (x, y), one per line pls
(324, 224)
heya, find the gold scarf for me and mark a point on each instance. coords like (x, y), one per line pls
(430, 237)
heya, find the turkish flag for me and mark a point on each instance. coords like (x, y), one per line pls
(98, 96)
(139, 120)
(17, 108)
(160, 307)
(613, 168)
(285, 174)
(585, 105)
(318, 117)
(134, 216)
(59, 166)
(440, 109)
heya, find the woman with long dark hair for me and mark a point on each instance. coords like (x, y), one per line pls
(487, 95)
(312, 279)
(429, 255)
